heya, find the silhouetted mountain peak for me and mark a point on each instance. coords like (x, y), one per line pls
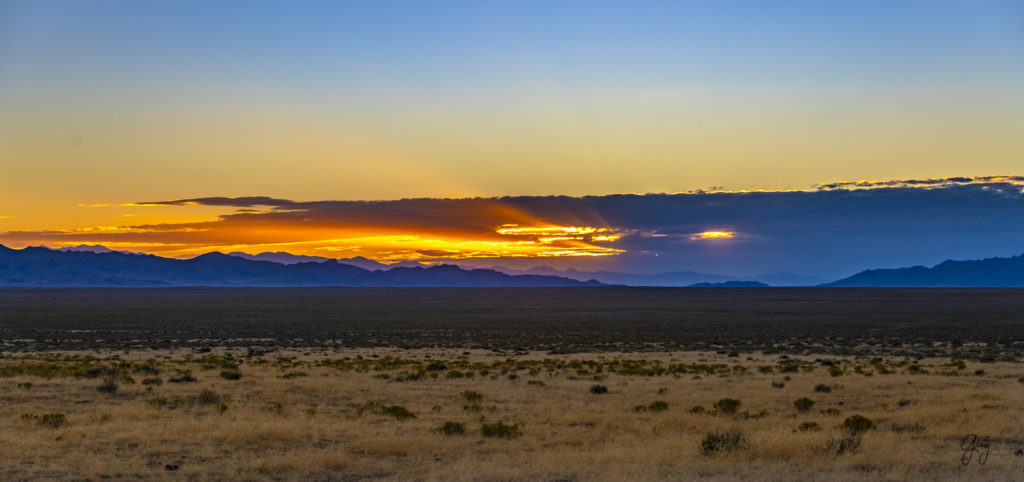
(39, 266)
(988, 272)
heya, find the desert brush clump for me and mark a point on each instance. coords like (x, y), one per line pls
(501, 430)
(914, 427)
(208, 397)
(452, 427)
(52, 420)
(183, 376)
(655, 406)
(720, 442)
(109, 385)
(803, 404)
(727, 405)
(858, 424)
(472, 396)
(276, 408)
(809, 427)
(598, 389)
(376, 407)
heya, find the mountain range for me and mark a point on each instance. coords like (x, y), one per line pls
(989, 272)
(91, 265)
(675, 278)
(38, 266)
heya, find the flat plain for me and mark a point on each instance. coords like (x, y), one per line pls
(510, 384)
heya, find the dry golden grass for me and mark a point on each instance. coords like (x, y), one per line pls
(320, 425)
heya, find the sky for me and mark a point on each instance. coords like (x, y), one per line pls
(466, 113)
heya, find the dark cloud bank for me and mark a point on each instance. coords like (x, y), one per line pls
(830, 232)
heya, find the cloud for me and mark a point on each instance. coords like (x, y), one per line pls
(828, 231)
(926, 183)
(241, 202)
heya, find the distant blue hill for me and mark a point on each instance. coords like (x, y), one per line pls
(50, 268)
(990, 272)
(674, 278)
(730, 284)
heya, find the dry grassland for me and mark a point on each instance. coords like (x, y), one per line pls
(339, 415)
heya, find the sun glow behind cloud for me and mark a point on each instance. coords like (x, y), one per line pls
(714, 235)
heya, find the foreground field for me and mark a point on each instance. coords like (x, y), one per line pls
(475, 414)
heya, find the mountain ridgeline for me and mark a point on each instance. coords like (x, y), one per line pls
(43, 267)
(85, 266)
(989, 272)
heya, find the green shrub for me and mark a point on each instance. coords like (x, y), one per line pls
(436, 366)
(52, 420)
(719, 442)
(108, 386)
(809, 427)
(658, 406)
(276, 408)
(778, 385)
(500, 430)
(25, 385)
(790, 368)
(835, 412)
(698, 409)
(453, 428)
(397, 411)
(208, 397)
(908, 427)
(153, 381)
(184, 376)
(858, 424)
(472, 396)
(727, 405)
(850, 443)
(598, 389)
(803, 404)
(230, 374)
(655, 406)
(822, 388)
(158, 401)
(539, 383)
(835, 370)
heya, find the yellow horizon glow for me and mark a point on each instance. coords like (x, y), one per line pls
(167, 236)
(715, 235)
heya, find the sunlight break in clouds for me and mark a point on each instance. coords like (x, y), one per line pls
(714, 235)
